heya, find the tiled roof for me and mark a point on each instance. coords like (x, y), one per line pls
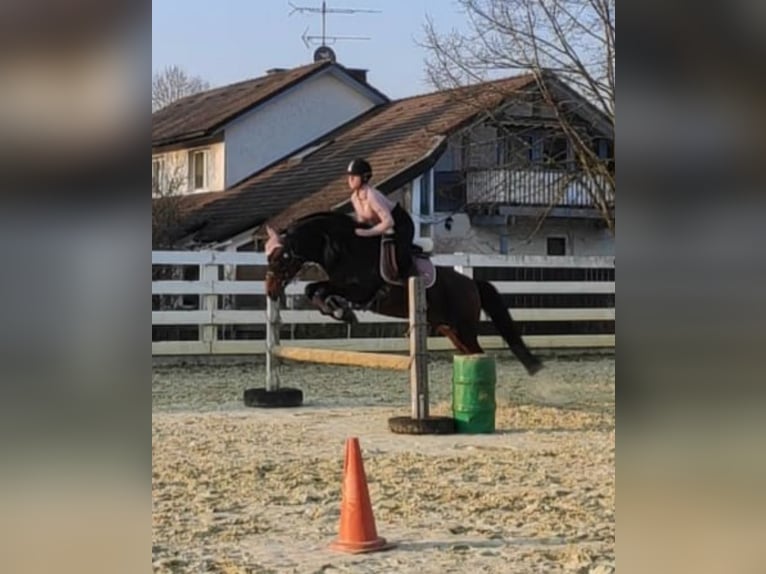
(400, 139)
(201, 114)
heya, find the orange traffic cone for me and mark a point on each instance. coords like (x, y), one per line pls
(357, 523)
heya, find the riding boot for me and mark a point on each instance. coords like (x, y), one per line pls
(406, 268)
(410, 271)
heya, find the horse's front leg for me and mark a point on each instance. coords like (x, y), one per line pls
(316, 293)
(330, 301)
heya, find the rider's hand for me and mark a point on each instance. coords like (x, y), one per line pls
(362, 232)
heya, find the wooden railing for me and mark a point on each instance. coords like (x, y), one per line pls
(535, 188)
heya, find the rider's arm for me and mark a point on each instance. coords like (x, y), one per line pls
(384, 214)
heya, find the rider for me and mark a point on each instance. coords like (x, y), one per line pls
(375, 209)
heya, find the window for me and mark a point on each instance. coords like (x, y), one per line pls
(425, 194)
(515, 150)
(551, 150)
(158, 169)
(535, 150)
(421, 204)
(465, 149)
(604, 148)
(198, 176)
(449, 191)
(555, 151)
(556, 246)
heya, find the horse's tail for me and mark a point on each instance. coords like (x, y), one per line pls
(493, 305)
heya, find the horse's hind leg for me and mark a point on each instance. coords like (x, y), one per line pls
(465, 343)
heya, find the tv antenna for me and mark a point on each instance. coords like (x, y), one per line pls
(324, 52)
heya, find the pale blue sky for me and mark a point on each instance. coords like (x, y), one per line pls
(226, 41)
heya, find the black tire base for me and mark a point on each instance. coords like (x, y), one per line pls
(285, 397)
(431, 425)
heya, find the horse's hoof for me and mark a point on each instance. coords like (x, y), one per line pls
(350, 318)
(534, 368)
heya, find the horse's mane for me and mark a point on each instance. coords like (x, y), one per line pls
(331, 220)
(335, 229)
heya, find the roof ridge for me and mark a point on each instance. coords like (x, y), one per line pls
(527, 75)
(240, 83)
(269, 75)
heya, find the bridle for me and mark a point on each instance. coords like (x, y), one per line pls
(286, 264)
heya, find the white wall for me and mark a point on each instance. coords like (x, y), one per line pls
(583, 237)
(177, 167)
(291, 120)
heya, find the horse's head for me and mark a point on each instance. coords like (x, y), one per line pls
(322, 238)
(284, 262)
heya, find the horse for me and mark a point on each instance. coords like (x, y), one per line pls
(351, 263)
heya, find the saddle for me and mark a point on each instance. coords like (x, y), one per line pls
(420, 259)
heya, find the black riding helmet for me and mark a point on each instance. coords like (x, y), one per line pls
(361, 168)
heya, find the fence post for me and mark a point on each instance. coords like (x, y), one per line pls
(465, 269)
(418, 349)
(209, 331)
(420, 421)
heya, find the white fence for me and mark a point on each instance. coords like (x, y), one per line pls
(209, 315)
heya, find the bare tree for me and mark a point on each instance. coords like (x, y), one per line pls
(172, 84)
(169, 179)
(569, 47)
(167, 182)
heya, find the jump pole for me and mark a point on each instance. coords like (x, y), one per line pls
(348, 358)
(420, 421)
(273, 395)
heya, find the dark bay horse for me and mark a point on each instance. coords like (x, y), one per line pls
(351, 262)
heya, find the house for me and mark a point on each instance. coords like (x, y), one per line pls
(207, 143)
(482, 169)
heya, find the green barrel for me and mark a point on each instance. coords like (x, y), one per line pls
(473, 393)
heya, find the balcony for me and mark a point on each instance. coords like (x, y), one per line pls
(568, 192)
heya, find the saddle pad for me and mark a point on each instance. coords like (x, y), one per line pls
(389, 269)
